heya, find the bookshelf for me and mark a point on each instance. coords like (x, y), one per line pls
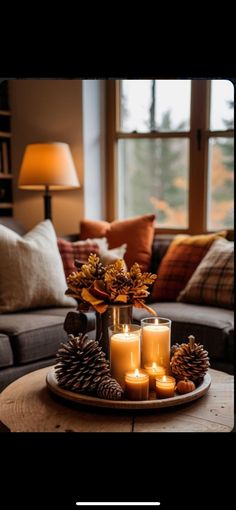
(6, 198)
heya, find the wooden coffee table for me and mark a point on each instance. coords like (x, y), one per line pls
(26, 405)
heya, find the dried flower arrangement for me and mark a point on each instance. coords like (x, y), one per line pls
(98, 286)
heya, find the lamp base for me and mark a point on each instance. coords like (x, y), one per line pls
(47, 205)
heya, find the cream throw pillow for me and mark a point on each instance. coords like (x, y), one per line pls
(108, 256)
(31, 270)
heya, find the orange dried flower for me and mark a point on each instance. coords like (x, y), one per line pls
(98, 286)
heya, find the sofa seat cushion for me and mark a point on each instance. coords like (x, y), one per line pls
(9, 374)
(6, 355)
(33, 336)
(213, 327)
(60, 312)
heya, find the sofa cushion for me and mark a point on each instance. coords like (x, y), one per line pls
(92, 228)
(61, 312)
(178, 264)
(34, 336)
(31, 270)
(79, 250)
(137, 232)
(9, 374)
(160, 245)
(108, 256)
(6, 355)
(212, 283)
(213, 327)
(14, 225)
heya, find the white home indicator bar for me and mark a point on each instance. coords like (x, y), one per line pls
(114, 503)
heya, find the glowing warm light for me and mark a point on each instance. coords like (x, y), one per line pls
(154, 370)
(125, 351)
(165, 387)
(48, 165)
(156, 342)
(137, 385)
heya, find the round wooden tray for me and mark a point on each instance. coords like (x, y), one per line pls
(91, 401)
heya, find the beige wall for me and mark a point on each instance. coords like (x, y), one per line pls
(47, 111)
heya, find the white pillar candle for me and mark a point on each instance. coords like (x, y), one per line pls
(156, 343)
(125, 352)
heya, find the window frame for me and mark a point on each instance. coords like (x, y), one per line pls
(198, 136)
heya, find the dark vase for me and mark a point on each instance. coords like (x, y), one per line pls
(114, 315)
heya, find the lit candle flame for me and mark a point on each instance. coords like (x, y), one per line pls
(154, 366)
(126, 328)
(164, 378)
(156, 321)
(136, 372)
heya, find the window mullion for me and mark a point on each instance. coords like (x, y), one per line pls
(198, 155)
(157, 134)
(229, 133)
(111, 148)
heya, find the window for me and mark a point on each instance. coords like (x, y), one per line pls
(221, 156)
(170, 152)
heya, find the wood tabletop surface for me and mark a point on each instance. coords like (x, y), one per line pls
(27, 405)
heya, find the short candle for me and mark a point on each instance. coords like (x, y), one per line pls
(154, 371)
(165, 386)
(156, 342)
(125, 352)
(137, 385)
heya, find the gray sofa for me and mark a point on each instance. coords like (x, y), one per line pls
(29, 339)
(211, 326)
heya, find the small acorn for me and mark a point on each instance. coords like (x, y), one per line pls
(185, 386)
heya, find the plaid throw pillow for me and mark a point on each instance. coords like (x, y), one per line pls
(213, 281)
(179, 263)
(77, 250)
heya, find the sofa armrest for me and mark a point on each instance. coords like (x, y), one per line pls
(79, 322)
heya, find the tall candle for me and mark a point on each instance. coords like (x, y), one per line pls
(137, 385)
(125, 352)
(156, 342)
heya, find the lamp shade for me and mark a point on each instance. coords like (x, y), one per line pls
(48, 165)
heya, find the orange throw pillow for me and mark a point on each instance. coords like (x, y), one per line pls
(90, 229)
(137, 232)
(179, 263)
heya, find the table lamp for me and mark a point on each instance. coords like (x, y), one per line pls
(48, 166)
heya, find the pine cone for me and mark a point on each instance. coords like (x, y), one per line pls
(109, 389)
(82, 367)
(81, 364)
(190, 361)
(173, 348)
